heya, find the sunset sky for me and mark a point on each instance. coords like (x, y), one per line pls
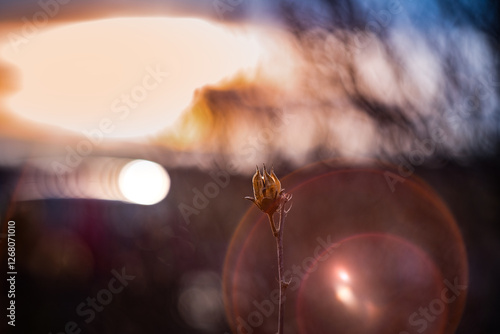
(223, 69)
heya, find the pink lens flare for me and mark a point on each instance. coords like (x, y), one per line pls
(361, 258)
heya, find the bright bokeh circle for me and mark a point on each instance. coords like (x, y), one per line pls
(144, 182)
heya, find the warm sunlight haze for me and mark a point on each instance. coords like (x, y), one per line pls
(128, 77)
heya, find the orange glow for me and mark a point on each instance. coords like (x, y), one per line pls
(124, 77)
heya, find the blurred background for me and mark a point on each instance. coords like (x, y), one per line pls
(129, 133)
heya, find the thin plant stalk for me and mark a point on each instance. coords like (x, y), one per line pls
(278, 234)
(270, 198)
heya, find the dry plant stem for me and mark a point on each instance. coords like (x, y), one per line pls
(278, 233)
(273, 226)
(269, 198)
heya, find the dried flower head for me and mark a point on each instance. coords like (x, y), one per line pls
(266, 191)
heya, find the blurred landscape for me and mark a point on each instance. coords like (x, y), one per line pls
(130, 131)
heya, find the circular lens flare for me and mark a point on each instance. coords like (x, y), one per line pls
(386, 273)
(355, 251)
(144, 182)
